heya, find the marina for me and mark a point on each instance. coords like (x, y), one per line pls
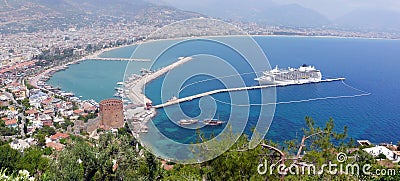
(140, 111)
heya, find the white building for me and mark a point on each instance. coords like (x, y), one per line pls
(376, 150)
(19, 144)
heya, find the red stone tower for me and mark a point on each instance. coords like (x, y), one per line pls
(111, 113)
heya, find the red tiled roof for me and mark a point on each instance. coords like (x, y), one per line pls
(17, 66)
(54, 145)
(166, 166)
(78, 111)
(11, 122)
(31, 111)
(46, 101)
(47, 111)
(59, 135)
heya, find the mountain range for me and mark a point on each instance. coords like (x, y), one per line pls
(32, 15)
(269, 12)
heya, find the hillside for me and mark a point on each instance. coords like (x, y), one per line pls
(34, 15)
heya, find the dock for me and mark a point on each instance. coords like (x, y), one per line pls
(139, 114)
(189, 98)
(135, 88)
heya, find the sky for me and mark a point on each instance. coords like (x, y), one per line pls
(332, 9)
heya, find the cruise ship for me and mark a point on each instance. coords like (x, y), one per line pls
(303, 74)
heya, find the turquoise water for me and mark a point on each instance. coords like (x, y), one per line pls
(370, 65)
(90, 79)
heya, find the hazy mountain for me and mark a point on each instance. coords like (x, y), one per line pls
(33, 15)
(292, 15)
(263, 11)
(370, 20)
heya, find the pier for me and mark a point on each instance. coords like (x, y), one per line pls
(189, 98)
(139, 113)
(135, 88)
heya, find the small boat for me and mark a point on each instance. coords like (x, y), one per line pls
(213, 122)
(188, 122)
(172, 99)
(120, 83)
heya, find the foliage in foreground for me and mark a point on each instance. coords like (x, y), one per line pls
(115, 157)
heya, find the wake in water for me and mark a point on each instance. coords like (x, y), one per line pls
(363, 93)
(216, 78)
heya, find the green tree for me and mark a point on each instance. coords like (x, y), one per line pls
(33, 161)
(47, 131)
(95, 160)
(381, 156)
(41, 139)
(8, 158)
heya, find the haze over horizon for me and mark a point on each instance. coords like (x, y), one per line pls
(332, 9)
(359, 14)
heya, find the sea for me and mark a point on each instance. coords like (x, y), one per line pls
(367, 102)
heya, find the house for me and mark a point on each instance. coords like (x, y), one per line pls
(19, 144)
(68, 105)
(37, 123)
(59, 120)
(32, 113)
(36, 98)
(49, 112)
(46, 120)
(88, 107)
(4, 100)
(58, 136)
(66, 112)
(19, 92)
(376, 150)
(55, 146)
(78, 112)
(12, 123)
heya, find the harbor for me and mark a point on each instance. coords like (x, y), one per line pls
(189, 98)
(140, 110)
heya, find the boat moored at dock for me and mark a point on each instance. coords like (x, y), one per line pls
(187, 121)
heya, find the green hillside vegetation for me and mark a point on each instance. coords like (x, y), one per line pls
(115, 157)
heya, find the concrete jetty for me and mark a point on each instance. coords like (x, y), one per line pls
(189, 98)
(134, 89)
(139, 114)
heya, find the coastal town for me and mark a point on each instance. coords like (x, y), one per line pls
(37, 116)
(29, 105)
